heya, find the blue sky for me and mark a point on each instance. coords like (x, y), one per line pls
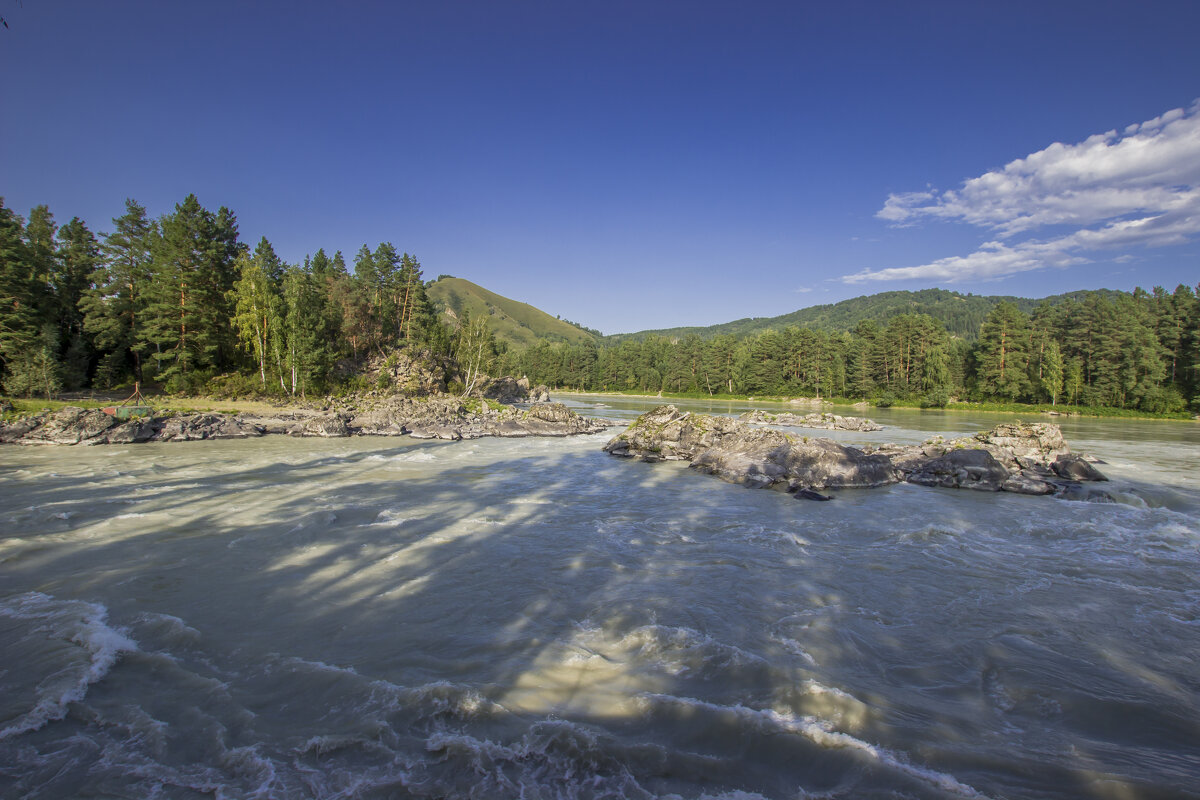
(630, 165)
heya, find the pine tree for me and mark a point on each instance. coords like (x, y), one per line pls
(77, 259)
(305, 337)
(1003, 353)
(188, 309)
(112, 305)
(19, 328)
(42, 261)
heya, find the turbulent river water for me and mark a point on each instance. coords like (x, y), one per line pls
(377, 618)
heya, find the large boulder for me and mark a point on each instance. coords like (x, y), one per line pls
(1075, 468)
(1012, 457)
(768, 457)
(506, 390)
(541, 419)
(133, 431)
(961, 469)
(1020, 445)
(191, 427)
(666, 433)
(322, 425)
(68, 425)
(743, 453)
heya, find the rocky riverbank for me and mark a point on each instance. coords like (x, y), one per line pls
(440, 417)
(1012, 457)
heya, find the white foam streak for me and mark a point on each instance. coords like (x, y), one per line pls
(70, 621)
(820, 733)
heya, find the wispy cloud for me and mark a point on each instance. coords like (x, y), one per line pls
(1139, 187)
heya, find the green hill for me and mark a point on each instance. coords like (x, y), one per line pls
(960, 313)
(518, 324)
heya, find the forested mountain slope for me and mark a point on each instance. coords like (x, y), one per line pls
(961, 314)
(519, 324)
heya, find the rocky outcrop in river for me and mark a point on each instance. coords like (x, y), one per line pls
(821, 421)
(432, 418)
(1012, 457)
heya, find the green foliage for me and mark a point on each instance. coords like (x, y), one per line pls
(35, 369)
(937, 398)
(517, 324)
(960, 314)
(179, 300)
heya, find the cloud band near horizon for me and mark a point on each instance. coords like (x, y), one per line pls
(1139, 187)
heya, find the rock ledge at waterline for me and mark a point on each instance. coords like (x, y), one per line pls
(433, 418)
(1012, 457)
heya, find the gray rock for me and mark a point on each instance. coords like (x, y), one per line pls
(506, 390)
(1075, 468)
(193, 427)
(739, 452)
(666, 433)
(325, 425)
(16, 431)
(962, 469)
(435, 431)
(766, 457)
(1028, 482)
(131, 432)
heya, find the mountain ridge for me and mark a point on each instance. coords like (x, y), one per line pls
(960, 313)
(521, 325)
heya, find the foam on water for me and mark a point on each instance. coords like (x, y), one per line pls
(821, 733)
(535, 619)
(67, 644)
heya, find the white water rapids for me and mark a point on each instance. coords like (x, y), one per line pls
(532, 618)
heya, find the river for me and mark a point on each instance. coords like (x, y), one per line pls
(391, 618)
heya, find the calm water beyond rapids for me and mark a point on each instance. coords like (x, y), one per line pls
(532, 618)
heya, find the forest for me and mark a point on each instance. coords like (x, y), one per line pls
(179, 302)
(1138, 350)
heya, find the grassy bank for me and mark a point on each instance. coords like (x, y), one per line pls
(160, 404)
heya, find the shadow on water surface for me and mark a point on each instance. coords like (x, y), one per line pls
(710, 640)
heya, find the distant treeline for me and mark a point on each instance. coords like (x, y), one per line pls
(1134, 351)
(180, 301)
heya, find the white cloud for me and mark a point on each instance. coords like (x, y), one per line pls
(1140, 187)
(803, 289)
